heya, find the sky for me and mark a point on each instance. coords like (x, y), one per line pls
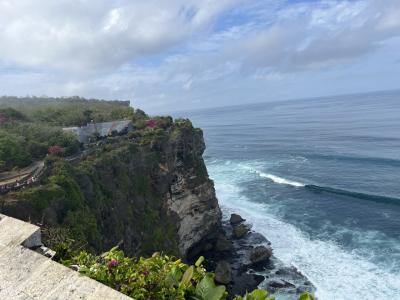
(186, 54)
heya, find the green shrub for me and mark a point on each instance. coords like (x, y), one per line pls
(257, 294)
(157, 277)
(140, 124)
(21, 143)
(307, 296)
(83, 227)
(43, 196)
(73, 197)
(139, 114)
(180, 122)
(13, 151)
(11, 114)
(176, 134)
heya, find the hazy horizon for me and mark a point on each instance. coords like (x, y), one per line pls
(272, 101)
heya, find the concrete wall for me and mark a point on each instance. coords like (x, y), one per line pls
(25, 274)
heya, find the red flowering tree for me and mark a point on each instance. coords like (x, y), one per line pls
(55, 150)
(151, 123)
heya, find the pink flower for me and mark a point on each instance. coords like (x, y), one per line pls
(112, 263)
(151, 123)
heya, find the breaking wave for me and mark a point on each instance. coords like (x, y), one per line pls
(280, 180)
(331, 190)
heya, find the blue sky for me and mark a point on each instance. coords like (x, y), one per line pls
(182, 54)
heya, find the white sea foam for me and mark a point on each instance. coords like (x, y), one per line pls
(272, 177)
(337, 274)
(280, 180)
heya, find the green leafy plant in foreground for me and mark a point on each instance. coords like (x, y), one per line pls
(307, 296)
(257, 294)
(157, 277)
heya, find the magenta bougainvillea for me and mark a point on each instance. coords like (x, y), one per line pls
(112, 263)
(151, 123)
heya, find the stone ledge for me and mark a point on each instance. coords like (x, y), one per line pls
(25, 274)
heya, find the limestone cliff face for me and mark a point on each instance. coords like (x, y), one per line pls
(149, 190)
(192, 195)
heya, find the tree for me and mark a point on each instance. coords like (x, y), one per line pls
(13, 151)
(88, 114)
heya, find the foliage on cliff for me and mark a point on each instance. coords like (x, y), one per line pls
(30, 126)
(22, 143)
(71, 111)
(157, 277)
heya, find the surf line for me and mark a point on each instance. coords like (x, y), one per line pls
(331, 190)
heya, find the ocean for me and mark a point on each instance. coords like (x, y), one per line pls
(320, 178)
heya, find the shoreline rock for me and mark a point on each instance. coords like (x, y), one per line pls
(260, 254)
(240, 231)
(236, 219)
(243, 260)
(223, 244)
(223, 272)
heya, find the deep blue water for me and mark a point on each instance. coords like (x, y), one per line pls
(321, 179)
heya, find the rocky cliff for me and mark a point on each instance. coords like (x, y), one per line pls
(148, 191)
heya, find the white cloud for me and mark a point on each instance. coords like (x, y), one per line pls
(313, 36)
(193, 52)
(92, 34)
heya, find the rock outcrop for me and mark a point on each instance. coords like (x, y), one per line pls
(260, 254)
(223, 272)
(236, 219)
(248, 263)
(240, 231)
(223, 244)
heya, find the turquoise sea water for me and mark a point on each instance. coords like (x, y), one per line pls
(320, 178)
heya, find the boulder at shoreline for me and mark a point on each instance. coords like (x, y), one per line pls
(236, 219)
(260, 254)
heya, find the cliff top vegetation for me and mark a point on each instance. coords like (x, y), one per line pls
(30, 126)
